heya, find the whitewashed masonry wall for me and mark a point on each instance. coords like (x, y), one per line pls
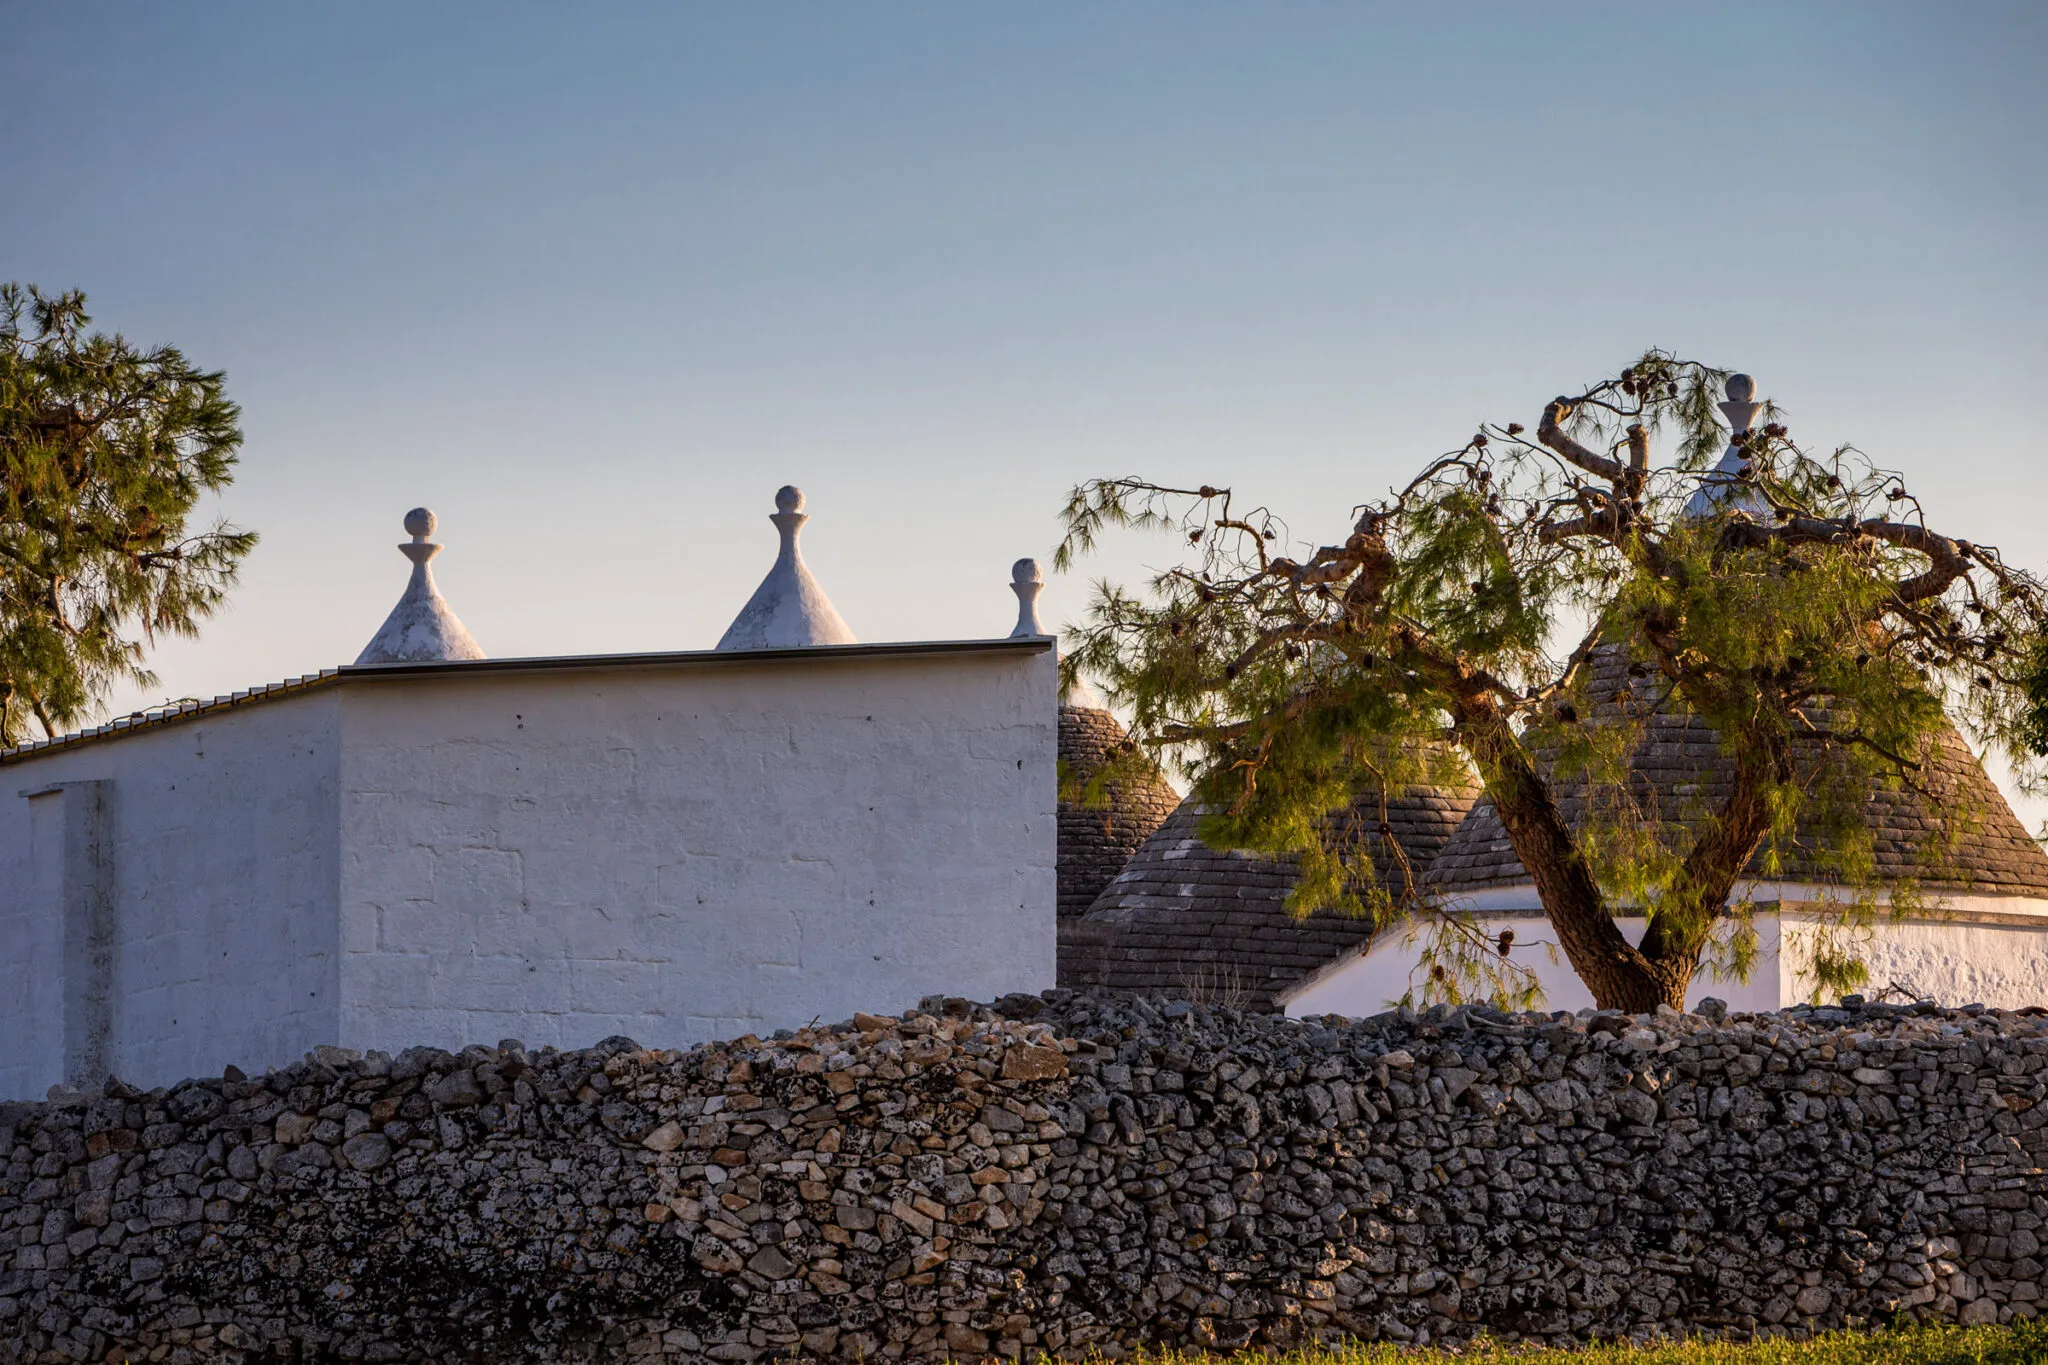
(696, 853)
(1962, 949)
(215, 876)
(684, 847)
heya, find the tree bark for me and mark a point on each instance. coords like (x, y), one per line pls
(1717, 859)
(1619, 975)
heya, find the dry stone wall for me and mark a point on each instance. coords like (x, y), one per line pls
(1059, 1175)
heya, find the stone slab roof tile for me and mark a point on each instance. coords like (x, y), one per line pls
(1185, 919)
(1094, 842)
(1679, 768)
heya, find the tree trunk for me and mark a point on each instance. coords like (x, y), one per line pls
(1660, 971)
(1619, 975)
(1717, 858)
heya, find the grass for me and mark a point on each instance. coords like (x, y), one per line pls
(2024, 1343)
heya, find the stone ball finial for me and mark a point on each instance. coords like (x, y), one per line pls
(420, 523)
(1026, 571)
(789, 498)
(1741, 388)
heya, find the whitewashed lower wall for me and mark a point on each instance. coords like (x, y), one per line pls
(1377, 979)
(220, 866)
(688, 852)
(1980, 950)
(2000, 959)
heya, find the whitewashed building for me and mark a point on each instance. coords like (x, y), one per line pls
(430, 846)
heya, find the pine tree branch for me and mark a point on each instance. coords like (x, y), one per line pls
(1557, 439)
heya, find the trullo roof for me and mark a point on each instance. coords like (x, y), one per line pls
(1186, 919)
(1095, 841)
(1678, 770)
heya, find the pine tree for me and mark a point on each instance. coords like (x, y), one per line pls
(105, 451)
(1475, 621)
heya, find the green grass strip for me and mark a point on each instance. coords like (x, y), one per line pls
(2024, 1343)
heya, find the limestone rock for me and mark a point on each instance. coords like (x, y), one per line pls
(367, 1152)
(666, 1138)
(457, 1090)
(1027, 1063)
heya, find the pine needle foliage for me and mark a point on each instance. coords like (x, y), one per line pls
(1800, 604)
(105, 451)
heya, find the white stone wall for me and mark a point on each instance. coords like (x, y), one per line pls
(693, 851)
(677, 850)
(1990, 958)
(31, 940)
(1377, 979)
(1976, 950)
(220, 867)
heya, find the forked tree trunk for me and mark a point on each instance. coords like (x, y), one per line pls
(1618, 975)
(1621, 975)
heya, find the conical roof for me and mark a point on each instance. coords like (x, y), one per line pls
(789, 610)
(421, 628)
(1095, 841)
(1185, 919)
(1678, 767)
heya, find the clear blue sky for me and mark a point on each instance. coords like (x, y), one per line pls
(592, 281)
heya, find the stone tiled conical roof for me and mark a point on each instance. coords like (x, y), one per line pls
(1095, 841)
(1186, 919)
(1679, 768)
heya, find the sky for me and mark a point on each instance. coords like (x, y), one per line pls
(593, 281)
